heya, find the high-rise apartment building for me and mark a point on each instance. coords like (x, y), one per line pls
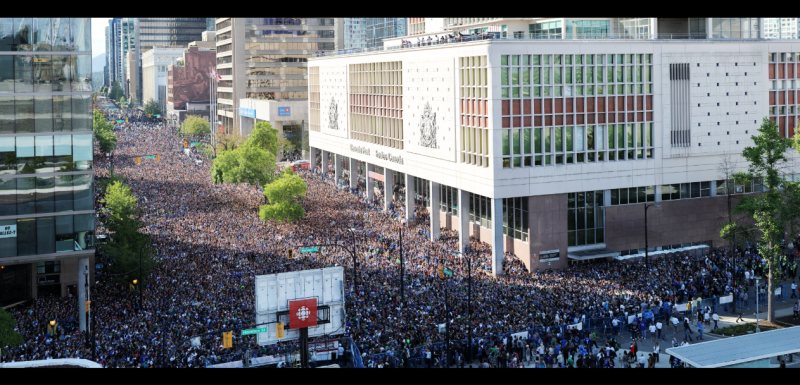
(46, 198)
(779, 27)
(265, 58)
(162, 32)
(154, 74)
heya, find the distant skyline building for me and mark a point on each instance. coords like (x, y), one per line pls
(188, 82)
(368, 32)
(154, 74)
(161, 32)
(265, 59)
(46, 179)
(780, 27)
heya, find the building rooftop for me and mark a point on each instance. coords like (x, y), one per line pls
(738, 350)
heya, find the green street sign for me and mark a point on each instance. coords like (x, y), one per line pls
(150, 157)
(448, 272)
(246, 332)
(120, 121)
(314, 249)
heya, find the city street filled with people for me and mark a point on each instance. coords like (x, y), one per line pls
(210, 244)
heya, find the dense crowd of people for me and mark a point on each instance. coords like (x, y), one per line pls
(211, 244)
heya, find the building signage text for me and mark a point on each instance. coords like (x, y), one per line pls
(8, 231)
(360, 150)
(389, 157)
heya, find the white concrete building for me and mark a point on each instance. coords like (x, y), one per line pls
(286, 116)
(565, 141)
(154, 73)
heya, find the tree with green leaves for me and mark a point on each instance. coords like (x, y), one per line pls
(246, 164)
(768, 209)
(152, 108)
(264, 136)
(9, 338)
(116, 92)
(104, 132)
(128, 247)
(284, 196)
(227, 142)
(195, 126)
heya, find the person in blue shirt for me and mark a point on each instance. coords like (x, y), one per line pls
(700, 329)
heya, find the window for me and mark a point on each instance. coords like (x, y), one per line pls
(448, 199)
(480, 210)
(515, 218)
(633, 195)
(585, 218)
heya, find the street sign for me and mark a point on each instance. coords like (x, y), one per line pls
(254, 331)
(314, 249)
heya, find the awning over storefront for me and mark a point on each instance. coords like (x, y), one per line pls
(586, 255)
(694, 249)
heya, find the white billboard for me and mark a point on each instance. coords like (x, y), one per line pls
(274, 291)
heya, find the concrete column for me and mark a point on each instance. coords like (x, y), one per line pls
(410, 204)
(312, 156)
(337, 168)
(713, 189)
(463, 219)
(370, 183)
(709, 28)
(606, 199)
(388, 187)
(497, 236)
(83, 266)
(324, 164)
(658, 192)
(353, 173)
(654, 26)
(434, 210)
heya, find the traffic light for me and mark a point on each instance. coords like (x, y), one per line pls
(279, 332)
(185, 143)
(441, 271)
(158, 157)
(138, 160)
(227, 340)
(88, 305)
(291, 253)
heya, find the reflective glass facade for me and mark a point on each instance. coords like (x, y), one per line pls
(46, 193)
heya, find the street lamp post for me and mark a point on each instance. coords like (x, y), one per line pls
(646, 245)
(136, 287)
(446, 319)
(469, 308)
(355, 263)
(142, 278)
(402, 267)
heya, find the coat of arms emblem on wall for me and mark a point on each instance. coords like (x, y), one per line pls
(428, 128)
(333, 115)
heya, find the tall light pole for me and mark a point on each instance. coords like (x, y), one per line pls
(469, 305)
(141, 278)
(402, 267)
(355, 263)
(646, 245)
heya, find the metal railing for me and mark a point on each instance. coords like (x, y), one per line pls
(445, 39)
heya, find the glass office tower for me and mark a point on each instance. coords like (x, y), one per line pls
(46, 195)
